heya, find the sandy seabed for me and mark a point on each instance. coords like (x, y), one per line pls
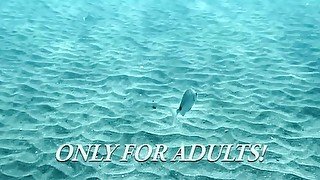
(112, 72)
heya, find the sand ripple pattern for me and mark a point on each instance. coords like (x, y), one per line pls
(84, 72)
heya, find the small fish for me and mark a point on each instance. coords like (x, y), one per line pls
(188, 99)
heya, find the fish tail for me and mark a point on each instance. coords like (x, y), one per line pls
(177, 112)
(174, 114)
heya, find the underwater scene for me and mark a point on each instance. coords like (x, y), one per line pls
(176, 73)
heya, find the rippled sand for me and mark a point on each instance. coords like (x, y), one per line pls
(75, 72)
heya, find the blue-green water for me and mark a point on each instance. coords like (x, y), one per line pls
(110, 71)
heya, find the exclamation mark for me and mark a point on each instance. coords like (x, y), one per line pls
(264, 150)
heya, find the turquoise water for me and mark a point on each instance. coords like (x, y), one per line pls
(112, 71)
